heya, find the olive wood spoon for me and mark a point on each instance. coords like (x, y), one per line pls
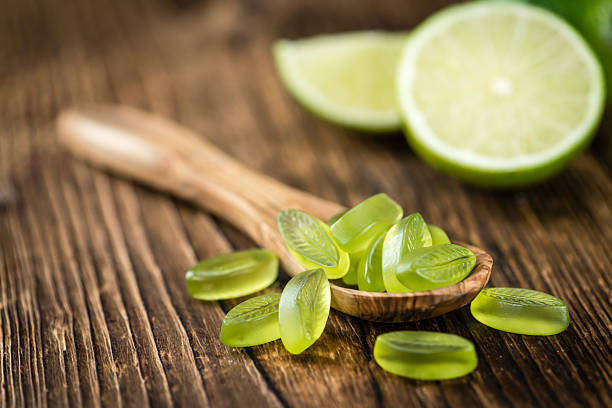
(174, 159)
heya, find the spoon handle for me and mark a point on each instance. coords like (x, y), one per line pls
(174, 159)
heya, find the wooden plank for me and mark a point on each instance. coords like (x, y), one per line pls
(94, 310)
(218, 364)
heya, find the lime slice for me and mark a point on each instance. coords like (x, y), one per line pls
(593, 19)
(347, 79)
(499, 94)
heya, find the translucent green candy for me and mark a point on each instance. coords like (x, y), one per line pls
(424, 355)
(303, 310)
(363, 223)
(438, 236)
(435, 266)
(252, 322)
(310, 243)
(335, 217)
(351, 276)
(521, 311)
(405, 236)
(232, 275)
(369, 274)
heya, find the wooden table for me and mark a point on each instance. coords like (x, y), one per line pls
(94, 307)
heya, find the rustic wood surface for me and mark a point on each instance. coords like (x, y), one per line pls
(158, 153)
(94, 309)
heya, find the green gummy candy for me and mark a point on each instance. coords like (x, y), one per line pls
(422, 355)
(351, 276)
(232, 275)
(438, 236)
(435, 266)
(521, 311)
(336, 217)
(354, 230)
(405, 236)
(369, 274)
(311, 244)
(252, 322)
(303, 310)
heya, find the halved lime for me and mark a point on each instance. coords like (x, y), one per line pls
(593, 19)
(499, 94)
(347, 79)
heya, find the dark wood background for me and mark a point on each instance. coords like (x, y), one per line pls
(94, 309)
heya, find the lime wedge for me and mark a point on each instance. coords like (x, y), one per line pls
(499, 94)
(347, 79)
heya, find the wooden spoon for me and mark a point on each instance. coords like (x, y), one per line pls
(171, 158)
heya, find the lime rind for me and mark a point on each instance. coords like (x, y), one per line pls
(493, 171)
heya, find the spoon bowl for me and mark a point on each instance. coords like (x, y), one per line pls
(408, 306)
(173, 159)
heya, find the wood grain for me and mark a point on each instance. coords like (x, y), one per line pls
(94, 311)
(158, 153)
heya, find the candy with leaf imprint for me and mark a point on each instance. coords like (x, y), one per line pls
(521, 311)
(311, 244)
(435, 266)
(232, 275)
(252, 322)
(405, 236)
(303, 310)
